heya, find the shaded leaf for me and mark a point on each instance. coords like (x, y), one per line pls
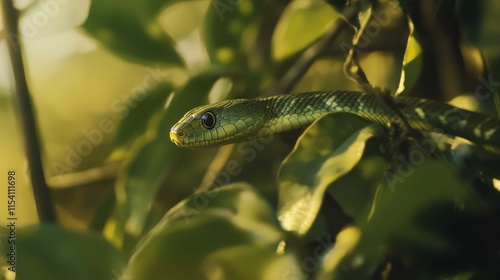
(424, 214)
(51, 252)
(338, 4)
(479, 20)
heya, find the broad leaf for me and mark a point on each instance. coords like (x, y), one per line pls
(328, 150)
(301, 23)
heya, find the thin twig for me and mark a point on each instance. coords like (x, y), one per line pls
(352, 69)
(297, 71)
(31, 140)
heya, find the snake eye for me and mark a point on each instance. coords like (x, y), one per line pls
(208, 120)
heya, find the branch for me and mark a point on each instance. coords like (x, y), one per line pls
(90, 176)
(31, 139)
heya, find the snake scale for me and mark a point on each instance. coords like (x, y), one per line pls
(243, 119)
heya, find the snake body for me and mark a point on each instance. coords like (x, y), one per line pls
(243, 119)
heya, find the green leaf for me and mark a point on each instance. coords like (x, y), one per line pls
(51, 252)
(328, 150)
(226, 233)
(130, 30)
(152, 161)
(301, 23)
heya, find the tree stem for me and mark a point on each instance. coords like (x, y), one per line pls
(31, 139)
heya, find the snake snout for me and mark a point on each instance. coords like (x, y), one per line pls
(175, 136)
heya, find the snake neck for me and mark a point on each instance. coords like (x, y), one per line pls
(288, 112)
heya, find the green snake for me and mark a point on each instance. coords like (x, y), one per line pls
(238, 120)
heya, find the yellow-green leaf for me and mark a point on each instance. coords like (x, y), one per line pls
(302, 23)
(412, 62)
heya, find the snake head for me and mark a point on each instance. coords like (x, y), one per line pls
(218, 124)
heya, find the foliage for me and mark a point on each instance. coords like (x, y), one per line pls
(341, 201)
